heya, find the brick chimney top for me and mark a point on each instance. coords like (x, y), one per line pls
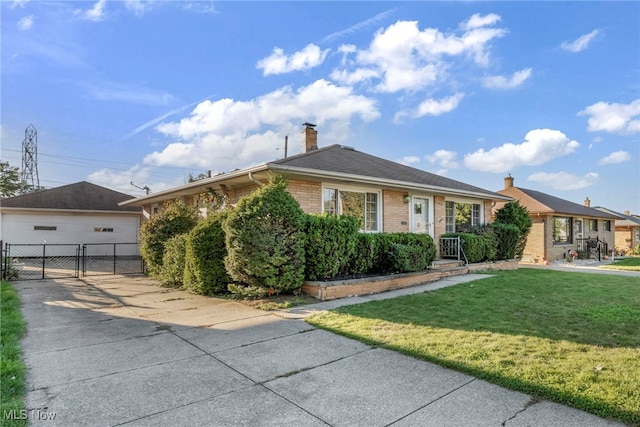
(627, 213)
(309, 137)
(508, 181)
(587, 202)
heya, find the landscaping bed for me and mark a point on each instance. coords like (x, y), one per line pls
(333, 289)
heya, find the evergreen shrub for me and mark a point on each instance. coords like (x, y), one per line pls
(172, 269)
(265, 239)
(205, 250)
(330, 244)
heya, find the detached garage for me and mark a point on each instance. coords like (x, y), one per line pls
(72, 214)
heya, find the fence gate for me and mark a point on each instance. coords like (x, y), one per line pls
(111, 258)
(40, 261)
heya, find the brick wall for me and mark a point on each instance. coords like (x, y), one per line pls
(395, 212)
(308, 194)
(534, 250)
(439, 221)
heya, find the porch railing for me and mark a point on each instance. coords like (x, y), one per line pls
(451, 247)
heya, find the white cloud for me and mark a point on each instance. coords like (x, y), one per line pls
(615, 157)
(359, 26)
(18, 3)
(478, 21)
(96, 13)
(581, 43)
(402, 57)
(501, 82)
(431, 107)
(279, 63)
(409, 160)
(444, 158)
(119, 180)
(539, 146)
(25, 23)
(138, 7)
(564, 180)
(613, 118)
(227, 132)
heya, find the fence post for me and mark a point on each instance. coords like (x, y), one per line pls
(44, 258)
(114, 258)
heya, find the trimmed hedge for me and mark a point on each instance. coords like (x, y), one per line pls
(265, 239)
(330, 243)
(489, 242)
(172, 269)
(205, 250)
(509, 242)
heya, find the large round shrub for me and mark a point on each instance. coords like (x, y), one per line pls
(205, 250)
(265, 239)
(176, 218)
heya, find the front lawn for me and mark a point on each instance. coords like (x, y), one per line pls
(573, 338)
(12, 369)
(628, 264)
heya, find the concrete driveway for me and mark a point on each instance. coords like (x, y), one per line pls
(122, 351)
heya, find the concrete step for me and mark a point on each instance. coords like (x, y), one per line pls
(445, 263)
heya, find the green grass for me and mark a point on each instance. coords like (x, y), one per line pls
(12, 369)
(573, 338)
(627, 264)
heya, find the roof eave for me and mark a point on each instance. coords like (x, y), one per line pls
(403, 185)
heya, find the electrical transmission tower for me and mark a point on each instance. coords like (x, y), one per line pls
(30, 179)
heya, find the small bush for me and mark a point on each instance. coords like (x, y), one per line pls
(330, 244)
(384, 258)
(515, 214)
(172, 269)
(407, 258)
(265, 239)
(362, 259)
(205, 273)
(176, 218)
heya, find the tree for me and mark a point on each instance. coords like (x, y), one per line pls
(10, 183)
(516, 214)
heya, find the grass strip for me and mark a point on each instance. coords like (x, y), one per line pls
(573, 338)
(12, 368)
(626, 264)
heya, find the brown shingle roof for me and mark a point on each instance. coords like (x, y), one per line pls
(539, 202)
(81, 196)
(346, 160)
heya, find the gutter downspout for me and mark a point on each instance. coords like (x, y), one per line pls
(252, 179)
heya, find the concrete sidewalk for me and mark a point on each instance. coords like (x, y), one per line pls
(123, 351)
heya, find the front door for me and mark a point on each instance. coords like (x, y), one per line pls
(419, 215)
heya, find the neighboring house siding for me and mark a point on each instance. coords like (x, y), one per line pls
(534, 251)
(395, 212)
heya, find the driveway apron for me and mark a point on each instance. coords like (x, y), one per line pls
(122, 351)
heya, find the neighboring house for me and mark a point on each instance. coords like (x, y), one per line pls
(627, 230)
(560, 226)
(385, 195)
(76, 213)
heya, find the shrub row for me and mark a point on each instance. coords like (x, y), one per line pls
(489, 242)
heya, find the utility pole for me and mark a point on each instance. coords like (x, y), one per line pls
(30, 179)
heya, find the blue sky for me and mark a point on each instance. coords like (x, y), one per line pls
(152, 91)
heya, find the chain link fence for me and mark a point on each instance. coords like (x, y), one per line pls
(55, 261)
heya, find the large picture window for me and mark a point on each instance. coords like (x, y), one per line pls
(360, 204)
(461, 216)
(562, 230)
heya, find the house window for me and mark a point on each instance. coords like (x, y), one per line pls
(45, 227)
(360, 204)
(593, 225)
(562, 230)
(606, 225)
(102, 230)
(461, 216)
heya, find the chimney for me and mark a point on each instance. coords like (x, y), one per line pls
(508, 181)
(309, 138)
(587, 202)
(627, 213)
